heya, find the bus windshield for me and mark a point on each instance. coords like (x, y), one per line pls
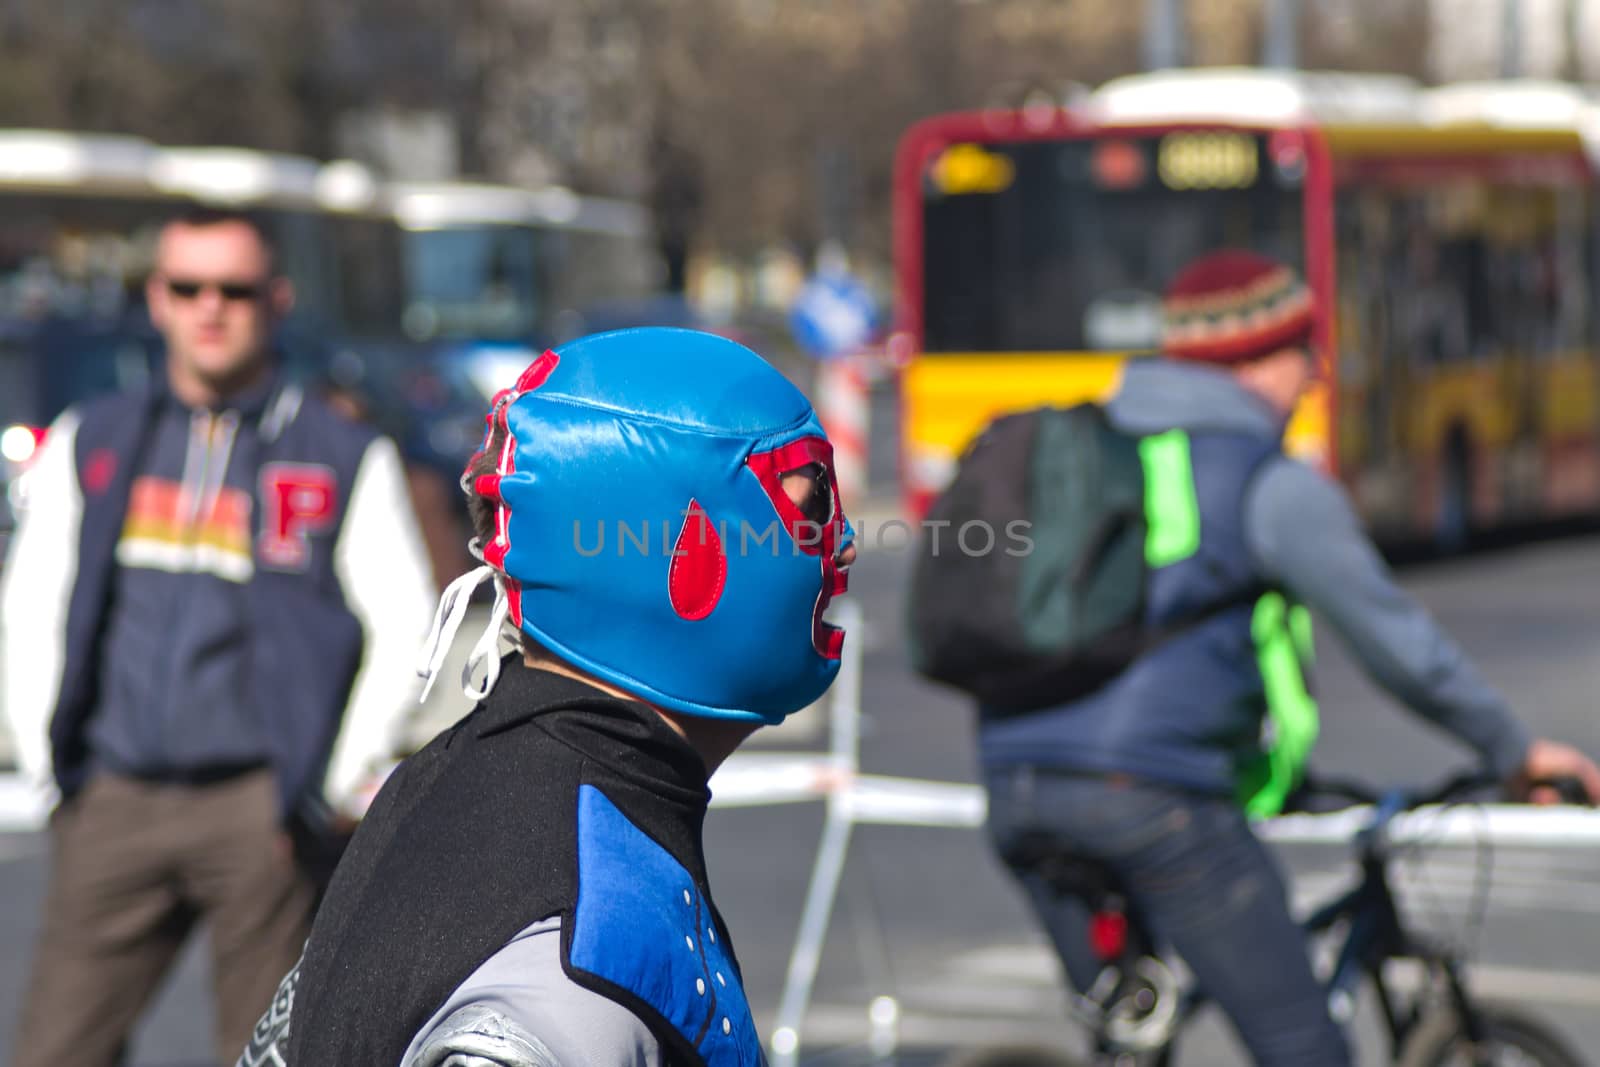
(78, 257)
(1067, 245)
(473, 283)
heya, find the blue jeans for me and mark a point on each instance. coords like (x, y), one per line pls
(1202, 883)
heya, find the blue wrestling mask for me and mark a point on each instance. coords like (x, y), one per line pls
(643, 533)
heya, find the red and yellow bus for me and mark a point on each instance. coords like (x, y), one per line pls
(1449, 236)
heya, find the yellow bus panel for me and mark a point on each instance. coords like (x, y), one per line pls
(950, 397)
(1401, 141)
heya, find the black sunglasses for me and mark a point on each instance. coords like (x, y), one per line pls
(184, 289)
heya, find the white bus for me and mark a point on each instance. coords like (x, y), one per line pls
(498, 263)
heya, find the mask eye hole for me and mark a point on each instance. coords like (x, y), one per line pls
(809, 490)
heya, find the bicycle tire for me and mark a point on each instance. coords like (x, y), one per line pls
(1438, 1039)
(1039, 1056)
(1011, 1056)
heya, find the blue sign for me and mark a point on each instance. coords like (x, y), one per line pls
(834, 315)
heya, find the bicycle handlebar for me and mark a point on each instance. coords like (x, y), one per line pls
(1457, 787)
(1568, 790)
(1453, 788)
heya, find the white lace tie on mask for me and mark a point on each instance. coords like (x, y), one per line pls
(447, 619)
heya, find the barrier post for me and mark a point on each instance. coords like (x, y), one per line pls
(845, 722)
(844, 405)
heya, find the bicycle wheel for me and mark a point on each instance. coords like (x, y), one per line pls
(1038, 1056)
(1010, 1056)
(1510, 1040)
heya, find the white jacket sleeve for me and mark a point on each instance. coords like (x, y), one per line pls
(387, 582)
(35, 591)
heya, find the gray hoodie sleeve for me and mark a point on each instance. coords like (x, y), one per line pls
(520, 1009)
(1306, 536)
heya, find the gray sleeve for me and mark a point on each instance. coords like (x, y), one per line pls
(519, 1009)
(1306, 536)
(480, 1036)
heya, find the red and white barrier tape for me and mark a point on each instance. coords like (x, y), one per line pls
(844, 404)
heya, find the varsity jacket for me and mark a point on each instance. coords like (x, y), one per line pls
(311, 515)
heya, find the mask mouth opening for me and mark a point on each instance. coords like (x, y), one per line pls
(815, 525)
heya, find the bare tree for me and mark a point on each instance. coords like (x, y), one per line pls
(1368, 35)
(743, 122)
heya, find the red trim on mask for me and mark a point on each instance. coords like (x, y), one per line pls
(769, 468)
(501, 401)
(831, 637)
(500, 547)
(488, 485)
(538, 372)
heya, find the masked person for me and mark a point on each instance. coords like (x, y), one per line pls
(658, 512)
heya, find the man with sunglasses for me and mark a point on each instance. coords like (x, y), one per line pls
(209, 612)
(1156, 774)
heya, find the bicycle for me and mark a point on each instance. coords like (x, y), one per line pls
(1138, 1005)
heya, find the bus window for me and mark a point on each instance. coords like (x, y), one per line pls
(602, 267)
(1432, 272)
(304, 258)
(473, 283)
(74, 256)
(1067, 245)
(367, 257)
(1567, 270)
(18, 385)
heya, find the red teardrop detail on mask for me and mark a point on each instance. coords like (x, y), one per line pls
(699, 566)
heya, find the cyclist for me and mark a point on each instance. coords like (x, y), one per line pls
(530, 889)
(1156, 773)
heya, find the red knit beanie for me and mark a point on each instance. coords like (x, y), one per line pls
(1232, 305)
